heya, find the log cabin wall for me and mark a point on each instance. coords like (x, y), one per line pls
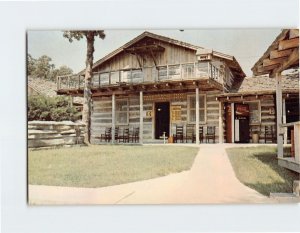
(102, 113)
(267, 114)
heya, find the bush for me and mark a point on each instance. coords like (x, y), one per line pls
(44, 108)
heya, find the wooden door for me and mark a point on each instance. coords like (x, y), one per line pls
(228, 123)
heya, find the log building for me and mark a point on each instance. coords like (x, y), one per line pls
(156, 83)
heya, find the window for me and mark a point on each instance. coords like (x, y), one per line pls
(254, 108)
(188, 70)
(192, 109)
(122, 112)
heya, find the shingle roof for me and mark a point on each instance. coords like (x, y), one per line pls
(42, 86)
(264, 83)
(47, 87)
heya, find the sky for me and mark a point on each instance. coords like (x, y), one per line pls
(246, 45)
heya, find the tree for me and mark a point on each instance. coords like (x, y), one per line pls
(62, 70)
(30, 64)
(87, 94)
(43, 66)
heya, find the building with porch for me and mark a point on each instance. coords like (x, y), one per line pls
(157, 84)
(282, 55)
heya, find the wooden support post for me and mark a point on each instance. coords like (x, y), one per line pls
(296, 140)
(220, 123)
(232, 123)
(284, 121)
(141, 117)
(167, 71)
(78, 81)
(197, 115)
(279, 115)
(113, 119)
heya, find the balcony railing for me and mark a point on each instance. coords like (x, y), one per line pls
(154, 74)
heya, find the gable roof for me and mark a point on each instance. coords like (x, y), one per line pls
(138, 38)
(232, 62)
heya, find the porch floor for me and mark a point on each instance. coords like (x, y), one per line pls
(289, 163)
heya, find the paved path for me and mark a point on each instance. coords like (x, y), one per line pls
(210, 180)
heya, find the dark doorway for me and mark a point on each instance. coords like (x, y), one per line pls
(162, 119)
(241, 121)
(292, 113)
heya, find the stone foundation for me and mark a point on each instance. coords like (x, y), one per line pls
(54, 134)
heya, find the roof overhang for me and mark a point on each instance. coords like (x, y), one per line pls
(252, 95)
(148, 88)
(281, 55)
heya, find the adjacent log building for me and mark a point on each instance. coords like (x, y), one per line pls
(155, 83)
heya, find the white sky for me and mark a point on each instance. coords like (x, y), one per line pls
(247, 45)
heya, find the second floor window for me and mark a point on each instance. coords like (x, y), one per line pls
(192, 109)
(122, 112)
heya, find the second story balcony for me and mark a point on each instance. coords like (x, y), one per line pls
(154, 74)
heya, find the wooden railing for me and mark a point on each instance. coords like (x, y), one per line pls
(153, 74)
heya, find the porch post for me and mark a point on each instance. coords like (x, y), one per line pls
(279, 115)
(284, 121)
(197, 115)
(232, 123)
(220, 123)
(113, 119)
(141, 117)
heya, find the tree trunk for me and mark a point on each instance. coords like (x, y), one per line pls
(86, 113)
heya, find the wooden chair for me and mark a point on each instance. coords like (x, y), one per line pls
(189, 133)
(117, 136)
(125, 136)
(201, 135)
(106, 136)
(270, 134)
(179, 134)
(135, 136)
(210, 134)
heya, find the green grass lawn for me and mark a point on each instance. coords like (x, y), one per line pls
(257, 168)
(105, 165)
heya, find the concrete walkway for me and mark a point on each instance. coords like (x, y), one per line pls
(210, 180)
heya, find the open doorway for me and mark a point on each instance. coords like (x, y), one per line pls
(162, 119)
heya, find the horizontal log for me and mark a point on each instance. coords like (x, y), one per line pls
(278, 54)
(271, 62)
(287, 44)
(294, 33)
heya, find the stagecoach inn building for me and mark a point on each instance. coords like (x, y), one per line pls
(155, 83)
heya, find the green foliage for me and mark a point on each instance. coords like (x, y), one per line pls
(30, 64)
(51, 109)
(43, 68)
(78, 35)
